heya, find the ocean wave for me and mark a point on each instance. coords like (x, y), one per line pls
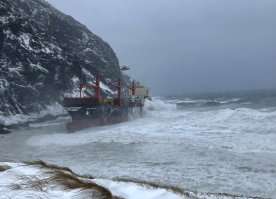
(242, 136)
(207, 102)
(157, 104)
(136, 189)
(245, 101)
(235, 129)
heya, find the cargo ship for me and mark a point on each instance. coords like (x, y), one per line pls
(95, 110)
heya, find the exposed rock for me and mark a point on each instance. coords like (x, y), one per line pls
(45, 53)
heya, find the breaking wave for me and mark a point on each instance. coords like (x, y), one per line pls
(157, 104)
(134, 189)
(208, 102)
(249, 101)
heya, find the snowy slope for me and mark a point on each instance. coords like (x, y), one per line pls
(42, 53)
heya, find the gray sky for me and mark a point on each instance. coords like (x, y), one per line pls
(180, 46)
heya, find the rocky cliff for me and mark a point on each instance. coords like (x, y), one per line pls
(44, 54)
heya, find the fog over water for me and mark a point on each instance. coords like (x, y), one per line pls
(184, 46)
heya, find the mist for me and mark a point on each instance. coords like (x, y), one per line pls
(183, 46)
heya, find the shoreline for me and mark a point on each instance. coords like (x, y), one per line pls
(46, 180)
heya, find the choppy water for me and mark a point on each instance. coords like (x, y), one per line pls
(209, 143)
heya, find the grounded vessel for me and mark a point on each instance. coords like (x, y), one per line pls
(94, 110)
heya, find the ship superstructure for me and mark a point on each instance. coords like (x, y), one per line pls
(96, 110)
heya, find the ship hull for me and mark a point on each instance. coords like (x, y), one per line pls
(85, 117)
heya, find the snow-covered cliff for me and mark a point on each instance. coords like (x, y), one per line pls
(44, 54)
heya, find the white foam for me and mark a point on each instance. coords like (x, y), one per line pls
(54, 110)
(135, 191)
(194, 138)
(156, 104)
(241, 130)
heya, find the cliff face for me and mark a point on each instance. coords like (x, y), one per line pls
(45, 53)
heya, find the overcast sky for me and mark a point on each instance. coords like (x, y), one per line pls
(180, 46)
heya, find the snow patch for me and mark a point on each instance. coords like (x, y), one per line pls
(9, 35)
(88, 74)
(4, 84)
(25, 40)
(16, 70)
(75, 92)
(106, 89)
(4, 20)
(38, 67)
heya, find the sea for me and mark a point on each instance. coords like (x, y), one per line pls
(221, 143)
